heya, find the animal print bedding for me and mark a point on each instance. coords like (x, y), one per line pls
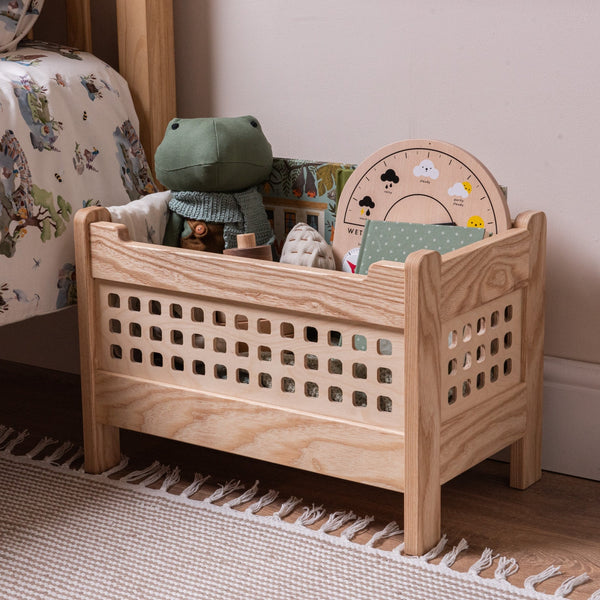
(68, 139)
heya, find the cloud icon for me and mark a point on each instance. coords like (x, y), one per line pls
(458, 189)
(390, 175)
(426, 168)
(366, 202)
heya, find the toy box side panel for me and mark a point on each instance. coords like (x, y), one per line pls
(483, 395)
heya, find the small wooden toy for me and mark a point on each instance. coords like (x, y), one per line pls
(246, 247)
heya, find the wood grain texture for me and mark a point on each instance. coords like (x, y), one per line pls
(526, 454)
(422, 496)
(483, 271)
(476, 434)
(147, 61)
(285, 436)
(79, 24)
(101, 442)
(279, 358)
(482, 354)
(375, 298)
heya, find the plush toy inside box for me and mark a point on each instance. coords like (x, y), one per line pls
(402, 378)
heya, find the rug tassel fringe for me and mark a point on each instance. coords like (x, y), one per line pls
(336, 520)
(199, 481)
(450, 558)
(263, 501)
(223, 490)
(122, 464)
(287, 507)
(534, 580)
(357, 527)
(485, 562)
(595, 595)
(12, 444)
(390, 530)
(141, 474)
(310, 515)
(570, 584)
(173, 477)
(506, 568)
(245, 497)
(56, 456)
(436, 550)
(76, 455)
(40, 446)
(158, 474)
(399, 549)
(5, 433)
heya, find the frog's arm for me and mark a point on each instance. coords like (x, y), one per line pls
(173, 230)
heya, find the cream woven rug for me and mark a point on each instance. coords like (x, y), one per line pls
(68, 535)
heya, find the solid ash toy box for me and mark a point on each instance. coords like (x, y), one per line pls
(402, 378)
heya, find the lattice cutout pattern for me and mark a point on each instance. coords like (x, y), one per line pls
(309, 364)
(482, 351)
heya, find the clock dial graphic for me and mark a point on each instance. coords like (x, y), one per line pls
(419, 181)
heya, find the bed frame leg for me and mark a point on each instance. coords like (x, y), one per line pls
(101, 442)
(422, 490)
(526, 453)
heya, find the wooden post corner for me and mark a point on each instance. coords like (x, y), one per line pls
(422, 495)
(526, 453)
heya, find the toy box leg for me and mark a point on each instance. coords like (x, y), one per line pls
(101, 442)
(101, 447)
(422, 488)
(422, 517)
(525, 462)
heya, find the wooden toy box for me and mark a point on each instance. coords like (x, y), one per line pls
(403, 378)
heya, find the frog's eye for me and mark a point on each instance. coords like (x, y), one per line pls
(254, 123)
(175, 126)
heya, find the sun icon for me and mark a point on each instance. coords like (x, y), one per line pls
(468, 187)
(475, 221)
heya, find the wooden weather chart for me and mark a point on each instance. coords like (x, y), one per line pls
(417, 181)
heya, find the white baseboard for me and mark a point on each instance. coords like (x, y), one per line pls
(571, 435)
(571, 429)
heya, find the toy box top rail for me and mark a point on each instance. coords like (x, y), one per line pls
(470, 276)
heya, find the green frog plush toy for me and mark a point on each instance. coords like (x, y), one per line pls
(212, 167)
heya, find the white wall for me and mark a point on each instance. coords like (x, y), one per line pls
(515, 83)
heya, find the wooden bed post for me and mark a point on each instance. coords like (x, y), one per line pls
(101, 442)
(147, 61)
(79, 24)
(526, 453)
(422, 494)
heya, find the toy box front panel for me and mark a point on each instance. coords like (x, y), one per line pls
(281, 358)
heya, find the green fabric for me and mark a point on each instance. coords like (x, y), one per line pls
(213, 155)
(173, 230)
(240, 212)
(388, 240)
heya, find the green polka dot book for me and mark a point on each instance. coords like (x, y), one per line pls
(387, 240)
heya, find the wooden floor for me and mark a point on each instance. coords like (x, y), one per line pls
(555, 522)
